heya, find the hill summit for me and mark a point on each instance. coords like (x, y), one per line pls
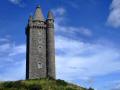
(40, 84)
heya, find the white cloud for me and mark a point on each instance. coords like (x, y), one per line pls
(18, 2)
(75, 46)
(11, 48)
(13, 71)
(15, 1)
(112, 85)
(114, 16)
(12, 60)
(85, 31)
(116, 87)
(59, 14)
(3, 40)
(78, 60)
(82, 60)
(18, 50)
(59, 11)
(69, 30)
(4, 47)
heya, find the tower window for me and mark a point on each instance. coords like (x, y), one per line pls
(40, 65)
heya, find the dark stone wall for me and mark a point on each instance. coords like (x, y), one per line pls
(36, 52)
(40, 50)
(37, 56)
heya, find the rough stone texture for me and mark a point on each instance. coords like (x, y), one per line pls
(50, 48)
(40, 55)
(37, 53)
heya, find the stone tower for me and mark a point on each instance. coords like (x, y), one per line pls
(40, 51)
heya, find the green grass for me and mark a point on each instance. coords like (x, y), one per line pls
(39, 84)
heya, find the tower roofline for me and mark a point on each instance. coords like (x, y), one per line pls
(50, 15)
(38, 14)
(38, 6)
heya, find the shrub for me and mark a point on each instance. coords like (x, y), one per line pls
(69, 88)
(8, 84)
(90, 88)
(34, 87)
(61, 82)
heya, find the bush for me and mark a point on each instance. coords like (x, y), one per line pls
(17, 84)
(40, 84)
(8, 84)
(90, 88)
(61, 82)
(68, 88)
(34, 87)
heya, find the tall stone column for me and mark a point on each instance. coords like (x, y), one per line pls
(50, 46)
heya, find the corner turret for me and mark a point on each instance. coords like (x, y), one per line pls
(30, 20)
(50, 15)
(50, 20)
(50, 45)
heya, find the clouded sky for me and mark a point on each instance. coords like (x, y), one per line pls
(87, 34)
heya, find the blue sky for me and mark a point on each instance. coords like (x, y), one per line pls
(86, 39)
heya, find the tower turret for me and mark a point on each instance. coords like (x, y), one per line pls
(50, 45)
(50, 15)
(38, 14)
(30, 20)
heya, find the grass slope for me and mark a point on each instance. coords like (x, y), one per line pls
(40, 84)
